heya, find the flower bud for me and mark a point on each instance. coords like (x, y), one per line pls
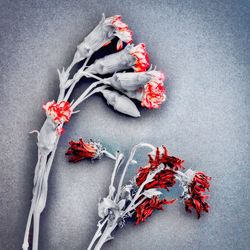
(135, 57)
(81, 150)
(121, 103)
(104, 32)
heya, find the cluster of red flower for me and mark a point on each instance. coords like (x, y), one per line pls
(167, 178)
(164, 179)
(196, 190)
(148, 206)
(154, 91)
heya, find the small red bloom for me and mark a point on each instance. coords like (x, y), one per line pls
(121, 30)
(144, 210)
(141, 55)
(164, 158)
(59, 112)
(81, 150)
(163, 179)
(196, 197)
(166, 177)
(154, 91)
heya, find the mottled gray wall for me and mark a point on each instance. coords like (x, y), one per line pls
(202, 46)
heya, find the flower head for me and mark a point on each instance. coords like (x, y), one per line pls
(146, 208)
(154, 91)
(131, 56)
(141, 57)
(121, 30)
(59, 112)
(166, 177)
(147, 87)
(195, 197)
(81, 150)
(104, 32)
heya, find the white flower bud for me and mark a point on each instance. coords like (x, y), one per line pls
(121, 103)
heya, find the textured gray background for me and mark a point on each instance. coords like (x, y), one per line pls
(203, 47)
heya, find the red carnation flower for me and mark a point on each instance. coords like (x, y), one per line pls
(81, 150)
(121, 30)
(196, 199)
(59, 112)
(141, 55)
(146, 208)
(154, 91)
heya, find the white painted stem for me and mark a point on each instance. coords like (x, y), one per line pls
(106, 233)
(97, 234)
(130, 159)
(75, 81)
(62, 84)
(82, 97)
(109, 155)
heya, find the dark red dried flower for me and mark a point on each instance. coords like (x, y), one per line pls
(80, 150)
(144, 210)
(163, 179)
(197, 197)
(166, 177)
(164, 158)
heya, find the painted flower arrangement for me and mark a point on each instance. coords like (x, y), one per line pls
(143, 194)
(120, 90)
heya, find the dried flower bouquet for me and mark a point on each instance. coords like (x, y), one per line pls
(139, 198)
(119, 89)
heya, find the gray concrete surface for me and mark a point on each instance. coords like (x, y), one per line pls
(202, 46)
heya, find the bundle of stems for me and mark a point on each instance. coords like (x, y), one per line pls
(117, 89)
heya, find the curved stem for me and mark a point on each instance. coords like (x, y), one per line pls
(25, 245)
(85, 95)
(108, 154)
(138, 203)
(36, 210)
(62, 85)
(93, 76)
(119, 161)
(97, 90)
(97, 233)
(138, 193)
(75, 81)
(106, 234)
(131, 156)
(36, 231)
